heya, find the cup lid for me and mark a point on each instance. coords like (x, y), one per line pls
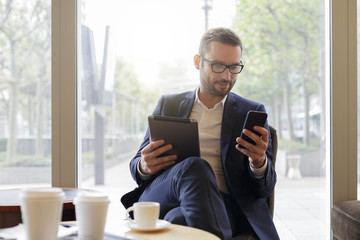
(86, 196)
(42, 192)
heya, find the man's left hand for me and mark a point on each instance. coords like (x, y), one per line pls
(256, 153)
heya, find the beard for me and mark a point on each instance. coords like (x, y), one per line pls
(210, 87)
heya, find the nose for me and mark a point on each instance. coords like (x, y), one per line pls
(226, 74)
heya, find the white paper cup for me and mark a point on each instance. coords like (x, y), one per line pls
(41, 210)
(91, 210)
(146, 214)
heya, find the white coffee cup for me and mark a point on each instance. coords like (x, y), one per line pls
(146, 214)
(41, 211)
(91, 210)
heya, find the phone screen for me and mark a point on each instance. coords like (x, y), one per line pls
(253, 118)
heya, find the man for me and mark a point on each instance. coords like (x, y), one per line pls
(224, 191)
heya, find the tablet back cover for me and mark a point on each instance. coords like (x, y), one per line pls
(182, 133)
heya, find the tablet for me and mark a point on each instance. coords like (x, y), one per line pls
(182, 133)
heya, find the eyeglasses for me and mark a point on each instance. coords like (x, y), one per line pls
(220, 68)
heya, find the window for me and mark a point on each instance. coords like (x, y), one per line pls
(25, 93)
(340, 102)
(285, 69)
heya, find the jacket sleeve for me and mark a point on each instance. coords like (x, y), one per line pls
(146, 141)
(264, 187)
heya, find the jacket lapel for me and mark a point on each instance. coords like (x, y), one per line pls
(228, 121)
(186, 105)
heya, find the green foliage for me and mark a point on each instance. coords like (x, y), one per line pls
(140, 99)
(281, 41)
(2, 157)
(297, 145)
(25, 39)
(25, 58)
(88, 157)
(127, 82)
(25, 160)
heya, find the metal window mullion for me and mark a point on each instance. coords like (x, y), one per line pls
(63, 93)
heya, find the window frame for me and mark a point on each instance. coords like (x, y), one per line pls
(343, 125)
(63, 87)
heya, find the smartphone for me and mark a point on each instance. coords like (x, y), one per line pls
(253, 118)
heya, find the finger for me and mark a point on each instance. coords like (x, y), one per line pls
(149, 159)
(155, 169)
(153, 145)
(243, 143)
(251, 135)
(161, 163)
(152, 158)
(164, 161)
(263, 132)
(254, 158)
(252, 150)
(151, 165)
(160, 150)
(245, 151)
(260, 141)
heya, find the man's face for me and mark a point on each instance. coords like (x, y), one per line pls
(219, 84)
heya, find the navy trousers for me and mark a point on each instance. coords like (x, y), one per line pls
(188, 195)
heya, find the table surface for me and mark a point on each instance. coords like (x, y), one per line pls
(173, 232)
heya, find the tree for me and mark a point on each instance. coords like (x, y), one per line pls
(135, 101)
(281, 55)
(25, 47)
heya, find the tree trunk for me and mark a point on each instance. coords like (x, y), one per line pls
(11, 142)
(277, 115)
(39, 118)
(287, 102)
(13, 100)
(306, 132)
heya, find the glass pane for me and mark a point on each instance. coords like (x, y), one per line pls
(285, 69)
(130, 53)
(25, 93)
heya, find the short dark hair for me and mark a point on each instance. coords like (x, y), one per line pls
(223, 35)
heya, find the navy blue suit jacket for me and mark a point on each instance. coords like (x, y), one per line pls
(250, 192)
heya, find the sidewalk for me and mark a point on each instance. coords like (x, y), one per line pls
(300, 208)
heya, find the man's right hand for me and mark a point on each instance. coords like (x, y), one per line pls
(150, 163)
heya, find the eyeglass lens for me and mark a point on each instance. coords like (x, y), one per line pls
(219, 68)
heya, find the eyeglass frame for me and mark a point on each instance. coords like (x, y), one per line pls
(226, 66)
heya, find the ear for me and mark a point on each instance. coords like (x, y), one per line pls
(197, 61)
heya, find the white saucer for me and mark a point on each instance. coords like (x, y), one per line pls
(160, 225)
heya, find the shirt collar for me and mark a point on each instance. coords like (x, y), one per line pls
(197, 100)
